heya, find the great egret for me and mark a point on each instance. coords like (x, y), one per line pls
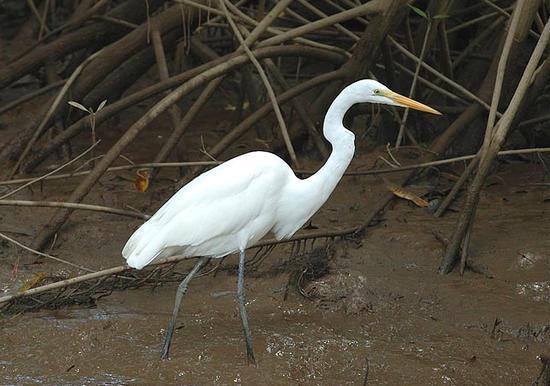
(232, 206)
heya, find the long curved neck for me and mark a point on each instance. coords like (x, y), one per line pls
(322, 183)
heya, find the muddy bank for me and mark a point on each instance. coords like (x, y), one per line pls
(381, 303)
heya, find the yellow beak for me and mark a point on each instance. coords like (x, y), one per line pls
(410, 103)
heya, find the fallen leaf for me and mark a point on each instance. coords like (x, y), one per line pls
(33, 281)
(142, 180)
(407, 195)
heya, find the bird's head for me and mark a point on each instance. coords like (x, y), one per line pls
(372, 91)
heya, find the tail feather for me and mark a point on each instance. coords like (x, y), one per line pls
(143, 246)
(133, 241)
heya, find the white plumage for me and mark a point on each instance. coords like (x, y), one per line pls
(219, 212)
(232, 206)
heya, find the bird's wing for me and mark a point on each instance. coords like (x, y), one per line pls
(219, 202)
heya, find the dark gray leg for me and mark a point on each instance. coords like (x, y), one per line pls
(179, 295)
(242, 310)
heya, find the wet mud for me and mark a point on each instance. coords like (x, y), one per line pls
(379, 309)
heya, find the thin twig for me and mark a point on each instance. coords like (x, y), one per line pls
(151, 165)
(36, 14)
(413, 84)
(297, 171)
(503, 11)
(220, 67)
(26, 97)
(36, 179)
(431, 85)
(72, 205)
(501, 70)
(266, 242)
(532, 121)
(504, 124)
(457, 186)
(116, 21)
(278, 31)
(442, 162)
(489, 31)
(483, 152)
(44, 20)
(263, 76)
(373, 6)
(162, 67)
(338, 26)
(445, 79)
(59, 260)
(52, 110)
(471, 22)
(366, 377)
(172, 259)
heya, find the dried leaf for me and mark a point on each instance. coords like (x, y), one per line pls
(78, 106)
(407, 195)
(33, 281)
(142, 180)
(101, 105)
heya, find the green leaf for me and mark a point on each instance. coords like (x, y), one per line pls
(418, 11)
(440, 17)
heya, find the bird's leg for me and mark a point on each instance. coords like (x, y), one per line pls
(179, 295)
(242, 310)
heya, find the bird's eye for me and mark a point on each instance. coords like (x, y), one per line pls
(376, 92)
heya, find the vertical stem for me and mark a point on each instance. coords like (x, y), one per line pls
(51, 111)
(162, 66)
(501, 69)
(413, 85)
(298, 103)
(187, 119)
(263, 76)
(452, 194)
(445, 50)
(44, 20)
(465, 247)
(493, 147)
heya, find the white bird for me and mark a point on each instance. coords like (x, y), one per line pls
(232, 206)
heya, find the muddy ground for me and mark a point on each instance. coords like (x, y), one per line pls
(381, 310)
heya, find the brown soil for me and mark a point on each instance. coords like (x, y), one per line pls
(382, 307)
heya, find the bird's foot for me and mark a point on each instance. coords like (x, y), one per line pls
(165, 350)
(250, 359)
